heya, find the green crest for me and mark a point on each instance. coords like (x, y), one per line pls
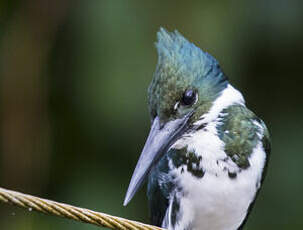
(182, 66)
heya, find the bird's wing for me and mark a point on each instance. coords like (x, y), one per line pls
(158, 201)
(159, 191)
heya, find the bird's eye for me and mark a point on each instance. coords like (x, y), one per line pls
(189, 97)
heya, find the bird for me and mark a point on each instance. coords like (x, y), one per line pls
(206, 154)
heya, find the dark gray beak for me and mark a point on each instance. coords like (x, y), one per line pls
(158, 142)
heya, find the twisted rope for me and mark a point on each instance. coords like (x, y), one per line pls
(71, 212)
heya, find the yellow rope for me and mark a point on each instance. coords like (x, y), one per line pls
(71, 212)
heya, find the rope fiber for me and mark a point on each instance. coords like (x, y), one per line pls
(71, 212)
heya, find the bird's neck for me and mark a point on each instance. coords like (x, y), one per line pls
(229, 96)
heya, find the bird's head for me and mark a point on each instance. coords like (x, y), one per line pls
(185, 84)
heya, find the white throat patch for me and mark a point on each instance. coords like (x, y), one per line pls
(229, 96)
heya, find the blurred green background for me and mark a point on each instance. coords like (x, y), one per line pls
(73, 81)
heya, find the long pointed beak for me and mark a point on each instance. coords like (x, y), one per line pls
(158, 142)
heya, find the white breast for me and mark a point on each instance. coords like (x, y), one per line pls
(216, 201)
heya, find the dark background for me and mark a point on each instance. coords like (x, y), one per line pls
(73, 80)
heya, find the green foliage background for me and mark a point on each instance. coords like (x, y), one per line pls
(73, 78)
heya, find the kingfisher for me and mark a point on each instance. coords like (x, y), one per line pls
(206, 153)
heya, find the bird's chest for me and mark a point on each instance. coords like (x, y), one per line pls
(213, 202)
(211, 190)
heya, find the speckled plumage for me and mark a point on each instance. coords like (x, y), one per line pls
(242, 131)
(208, 175)
(239, 131)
